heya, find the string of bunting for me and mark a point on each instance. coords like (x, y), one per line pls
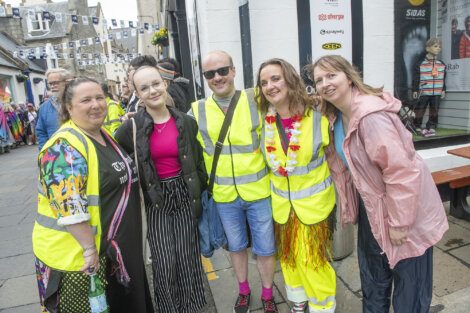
(43, 52)
(85, 19)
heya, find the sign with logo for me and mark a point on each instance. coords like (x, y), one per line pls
(331, 28)
(455, 21)
(412, 30)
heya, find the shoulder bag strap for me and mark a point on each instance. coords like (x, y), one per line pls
(223, 133)
(141, 194)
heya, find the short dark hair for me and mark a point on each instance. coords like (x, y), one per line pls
(142, 60)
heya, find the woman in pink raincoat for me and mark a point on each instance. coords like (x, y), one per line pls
(385, 187)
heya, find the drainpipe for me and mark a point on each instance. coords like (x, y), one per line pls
(357, 34)
(245, 32)
(304, 27)
(183, 38)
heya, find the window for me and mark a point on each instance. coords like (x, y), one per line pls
(36, 23)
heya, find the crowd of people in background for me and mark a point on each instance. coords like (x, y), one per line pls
(116, 171)
(17, 125)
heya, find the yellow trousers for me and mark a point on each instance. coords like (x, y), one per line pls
(303, 253)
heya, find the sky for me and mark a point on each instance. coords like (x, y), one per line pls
(125, 10)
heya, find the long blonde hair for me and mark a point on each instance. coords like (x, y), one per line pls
(339, 64)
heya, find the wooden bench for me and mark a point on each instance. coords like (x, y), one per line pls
(458, 179)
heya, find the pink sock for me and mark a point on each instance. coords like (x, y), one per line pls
(267, 293)
(244, 288)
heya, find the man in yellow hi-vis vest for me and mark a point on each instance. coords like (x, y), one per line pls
(241, 186)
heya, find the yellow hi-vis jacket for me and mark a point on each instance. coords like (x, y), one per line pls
(52, 243)
(309, 188)
(241, 170)
(113, 118)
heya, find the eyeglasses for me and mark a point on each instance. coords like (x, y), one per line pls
(223, 71)
(55, 83)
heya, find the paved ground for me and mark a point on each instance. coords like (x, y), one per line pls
(18, 291)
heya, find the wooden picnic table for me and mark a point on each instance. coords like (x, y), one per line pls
(463, 152)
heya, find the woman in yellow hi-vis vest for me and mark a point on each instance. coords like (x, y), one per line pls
(302, 192)
(88, 220)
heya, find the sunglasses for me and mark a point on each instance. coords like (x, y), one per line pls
(223, 71)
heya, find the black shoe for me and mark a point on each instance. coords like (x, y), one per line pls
(269, 306)
(243, 304)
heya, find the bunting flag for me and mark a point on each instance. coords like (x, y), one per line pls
(15, 12)
(59, 51)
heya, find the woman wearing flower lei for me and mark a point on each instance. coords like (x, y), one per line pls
(302, 193)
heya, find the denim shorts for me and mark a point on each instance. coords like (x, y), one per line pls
(234, 216)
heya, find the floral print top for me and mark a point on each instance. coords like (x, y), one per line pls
(63, 175)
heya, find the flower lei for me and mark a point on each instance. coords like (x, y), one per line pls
(291, 161)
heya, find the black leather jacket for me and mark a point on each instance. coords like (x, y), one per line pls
(189, 151)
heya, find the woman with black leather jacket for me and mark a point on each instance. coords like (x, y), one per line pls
(172, 177)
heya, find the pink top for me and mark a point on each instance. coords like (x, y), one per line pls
(164, 149)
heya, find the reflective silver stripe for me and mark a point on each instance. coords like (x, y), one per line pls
(317, 138)
(40, 190)
(236, 149)
(49, 222)
(302, 170)
(243, 179)
(76, 134)
(202, 124)
(304, 193)
(313, 299)
(250, 94)
(324, 302)
(93, 200)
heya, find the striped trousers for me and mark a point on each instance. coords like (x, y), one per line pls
(176, 262)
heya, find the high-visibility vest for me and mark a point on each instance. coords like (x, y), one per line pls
(308, 189)
(52, 243)
(113, 118)
(241, 170)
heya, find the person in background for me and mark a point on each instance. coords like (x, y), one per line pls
(48, 116)
(456, 35)
(177, 87)
(115, 111)
(241, 186)
(464, 46)
(125, 95)
(302, 193)
(172, 178)
(399, 211)
(31, 126)
(89, 218)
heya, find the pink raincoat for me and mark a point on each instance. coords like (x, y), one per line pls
(392, 179)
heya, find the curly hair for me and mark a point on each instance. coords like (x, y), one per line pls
(299, 100)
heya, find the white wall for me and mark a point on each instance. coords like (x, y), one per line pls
(379, 43)
(274, 32)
